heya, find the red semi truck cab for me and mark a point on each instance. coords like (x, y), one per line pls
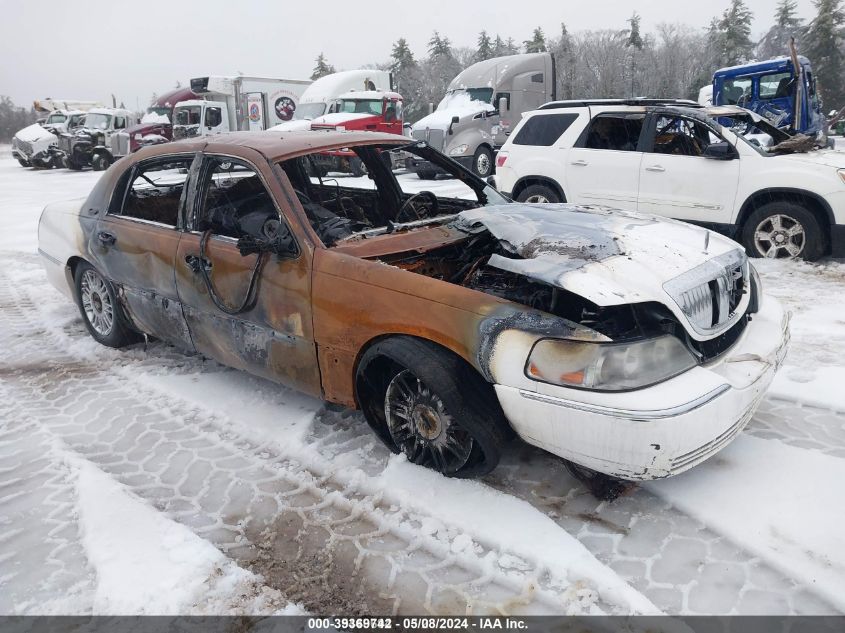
(155, 127)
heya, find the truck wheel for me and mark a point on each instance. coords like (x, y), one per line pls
(432, 406)
(482, 162)
(97, 302)
(538, 194)
(24, 163)
(356, 166)
(100, 162)
(782, 229)
(426, 174)
(72, 164)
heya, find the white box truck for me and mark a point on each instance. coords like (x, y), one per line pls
(236, 103)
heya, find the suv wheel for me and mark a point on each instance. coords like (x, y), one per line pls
(783, 230)
(482, 162)
(538, 194)
(100, 311)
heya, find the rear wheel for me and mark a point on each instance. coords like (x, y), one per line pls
(538, 194)
(24, 163)
(782, 229)
(426, 174)
(100, 311)
(70, 163)
(432, 406)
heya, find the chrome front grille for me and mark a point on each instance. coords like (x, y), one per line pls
(431, 136)
(710, 295)
(25, 147)
(119, 143)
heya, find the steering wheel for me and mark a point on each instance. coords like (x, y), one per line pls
(271, 229)
(408, 208)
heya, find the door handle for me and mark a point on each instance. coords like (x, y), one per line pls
(579, 163)
(654, 168)
(106, 239)
(195, 261)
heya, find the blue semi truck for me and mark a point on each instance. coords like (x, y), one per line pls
(783, 90)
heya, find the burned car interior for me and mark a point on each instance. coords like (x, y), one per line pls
(338, 210)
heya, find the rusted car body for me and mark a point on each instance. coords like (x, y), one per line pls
(341, 290)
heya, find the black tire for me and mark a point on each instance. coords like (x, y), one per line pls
(538, 194)
(482, 162)
(469, 401)
(72, 164)
(426, 174)
(356, 166)
(24, 163)
(118, 334)
(100, 162)
(777, 219)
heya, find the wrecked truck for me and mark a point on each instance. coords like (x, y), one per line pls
(627, 344)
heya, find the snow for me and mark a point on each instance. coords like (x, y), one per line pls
(34, 132)
(459, 104)
(154, 117)
(146, 480)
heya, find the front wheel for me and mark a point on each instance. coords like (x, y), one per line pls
(482, 162)
(783, 229)
(100, 162)
(24, 163)
(100, 311)
(538, 194)
(432, 406)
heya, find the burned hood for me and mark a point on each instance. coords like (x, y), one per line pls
(607, 256)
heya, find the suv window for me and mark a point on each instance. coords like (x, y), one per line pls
(235, 202)
(682, 137)
(544, 129)
(156, 189)
(620, 132)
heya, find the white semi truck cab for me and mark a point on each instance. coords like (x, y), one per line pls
(482, 104)
(236, 103)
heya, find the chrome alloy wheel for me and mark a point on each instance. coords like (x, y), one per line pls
(537, 199)
(482, 164)
(420, 426)
(779, 235)
(97, 303)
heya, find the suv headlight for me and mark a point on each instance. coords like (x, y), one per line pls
(608, 366)
(458, 150)
(841, 173)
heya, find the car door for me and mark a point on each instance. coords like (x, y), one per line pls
(271, 333)
(603, 167)
(135, 243)
(678, 180)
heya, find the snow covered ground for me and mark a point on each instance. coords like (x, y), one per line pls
(147, 481)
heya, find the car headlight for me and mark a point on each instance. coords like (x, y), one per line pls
(608, 366)
(458, 150)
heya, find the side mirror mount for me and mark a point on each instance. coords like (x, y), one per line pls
(503, 105)
(720, 151)
(454, 120)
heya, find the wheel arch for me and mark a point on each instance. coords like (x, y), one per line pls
(813, 202)
(526, 181)
(70, 270)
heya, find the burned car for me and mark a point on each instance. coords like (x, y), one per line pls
(454, 319)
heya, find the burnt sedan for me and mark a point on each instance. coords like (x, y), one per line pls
(627, 344)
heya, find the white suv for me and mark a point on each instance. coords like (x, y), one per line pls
(715, 166)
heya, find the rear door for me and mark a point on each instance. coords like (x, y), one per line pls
(135, 245)
(270, 335)
(604, 165)
(677, 181)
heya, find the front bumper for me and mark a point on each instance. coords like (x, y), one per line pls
(661, 430)
(416, 164)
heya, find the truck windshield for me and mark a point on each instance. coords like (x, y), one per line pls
(162, 110)
(309, 111)
(366, 106)
(462, 95)
(98, 121)
(188, 115)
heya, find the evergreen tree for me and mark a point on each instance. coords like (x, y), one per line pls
(439, 47)
(499, 48)
(485, 47)
(401, 57)
(787, 25)
(634, 37)
(823, 45)
(537, 43)
(735, 29)
(322, 68)
(511, 48)
(786, 14)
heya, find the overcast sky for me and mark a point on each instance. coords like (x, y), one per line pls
(89, 49)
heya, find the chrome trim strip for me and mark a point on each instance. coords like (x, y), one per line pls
(49, 257)
(630, 414)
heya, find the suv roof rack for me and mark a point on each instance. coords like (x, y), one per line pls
(580, 103)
